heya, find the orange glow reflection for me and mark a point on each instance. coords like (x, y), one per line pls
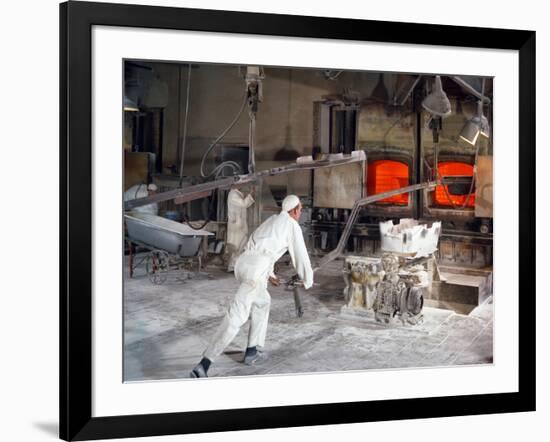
(453, 168)
(386, 175)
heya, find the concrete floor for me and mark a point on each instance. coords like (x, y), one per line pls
(168, 326)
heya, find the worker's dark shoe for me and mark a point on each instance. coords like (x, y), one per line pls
(198, 372)
(255, 358)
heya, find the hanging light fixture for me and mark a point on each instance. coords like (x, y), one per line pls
(475, 126)
(380, 92)
(437, 103)
(130, 105)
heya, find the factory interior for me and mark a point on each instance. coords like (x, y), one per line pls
(394, 175)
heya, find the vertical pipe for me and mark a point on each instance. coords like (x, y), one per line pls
(251, 140)
(185, 122)
(178, 135)
(160, 159)
(418, 199)
(252, 169)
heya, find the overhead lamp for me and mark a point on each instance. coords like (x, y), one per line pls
(475, 126)
(437, 103)
(130, 105)
(380, 92)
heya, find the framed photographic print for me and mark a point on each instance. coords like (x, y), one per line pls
(273, 221)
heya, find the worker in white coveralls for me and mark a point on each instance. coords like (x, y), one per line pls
(253, 270)
(237, 226)
(141, 191)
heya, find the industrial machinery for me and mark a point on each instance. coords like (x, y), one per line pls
(385, 288)
(395, 283)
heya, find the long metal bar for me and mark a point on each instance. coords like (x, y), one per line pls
(227, 182)
(359, 204)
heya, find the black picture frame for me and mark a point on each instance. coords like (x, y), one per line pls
(76, 21)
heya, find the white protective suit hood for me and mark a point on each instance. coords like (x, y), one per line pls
(290, 202)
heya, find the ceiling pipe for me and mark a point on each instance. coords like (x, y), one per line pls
(470, 89)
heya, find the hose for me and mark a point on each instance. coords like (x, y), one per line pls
(467, 200)
(236, 168)
(208, 218)
(232, 164)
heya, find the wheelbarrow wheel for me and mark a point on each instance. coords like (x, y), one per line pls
(157, 265)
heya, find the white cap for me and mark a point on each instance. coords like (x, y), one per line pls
(290, 202)
(152, 187)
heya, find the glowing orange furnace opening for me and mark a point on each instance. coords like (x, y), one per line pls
(386, 175)
(453, 168)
